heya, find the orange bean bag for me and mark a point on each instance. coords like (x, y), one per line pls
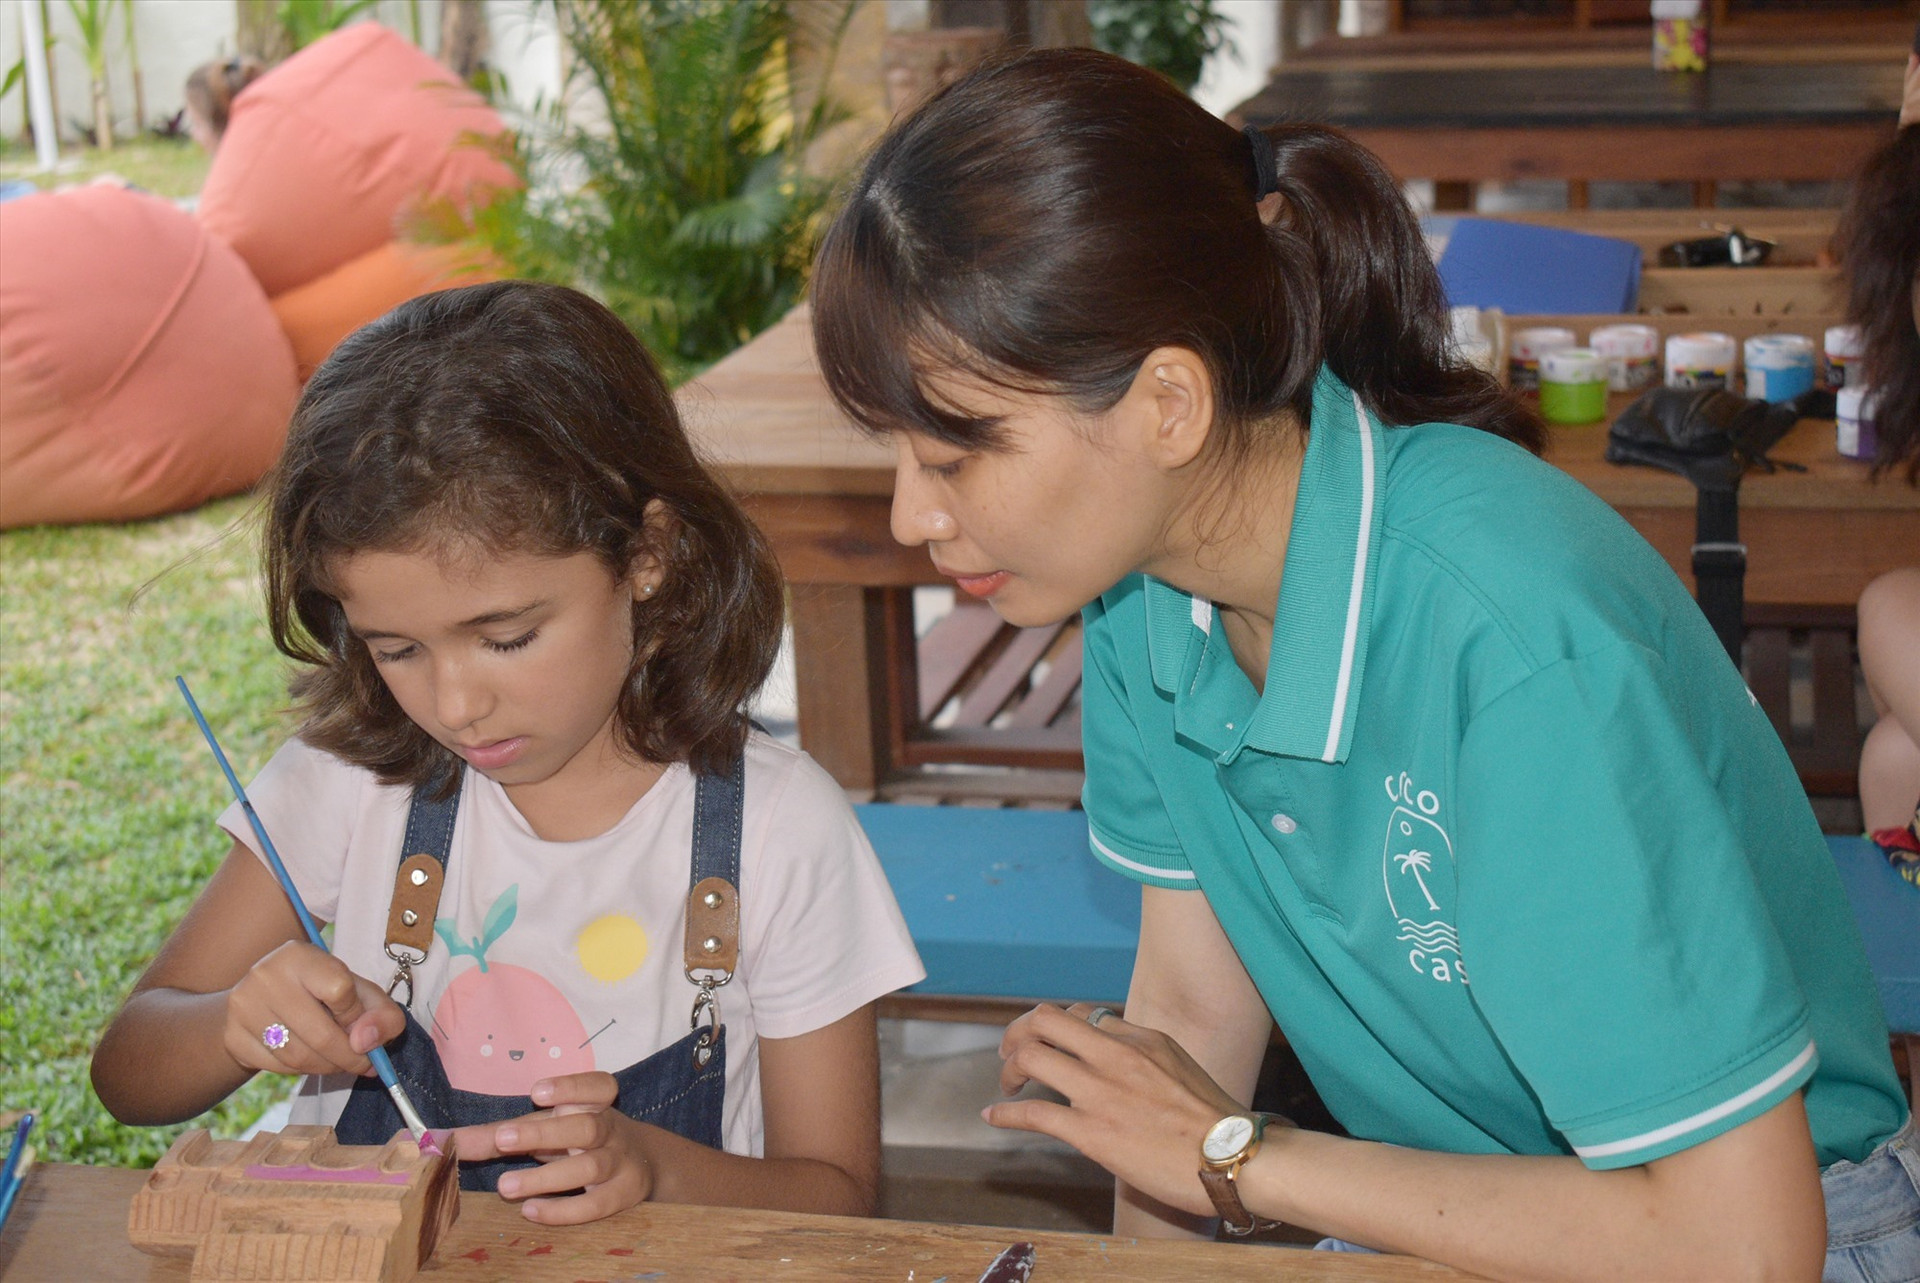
(317, 315)
(327, 152)
(141, 370)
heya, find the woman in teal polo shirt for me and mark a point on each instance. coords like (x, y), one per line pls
(1474, 805)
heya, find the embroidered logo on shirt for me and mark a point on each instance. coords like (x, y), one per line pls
(1416, 866)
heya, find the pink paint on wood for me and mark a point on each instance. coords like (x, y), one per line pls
(328, 1175)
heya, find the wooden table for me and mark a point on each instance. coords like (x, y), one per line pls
(1736, 121)
(71, 1223)
(822, 493)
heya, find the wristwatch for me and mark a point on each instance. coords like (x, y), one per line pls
(1228, 1145)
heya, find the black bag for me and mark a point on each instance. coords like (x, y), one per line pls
(1711, 437)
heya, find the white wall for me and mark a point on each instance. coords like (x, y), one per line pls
(1244, 63)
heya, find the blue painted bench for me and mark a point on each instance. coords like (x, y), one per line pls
(1887, 907)
(1007, 908)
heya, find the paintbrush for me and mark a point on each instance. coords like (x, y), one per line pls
(19, 1162)
(378, 1055)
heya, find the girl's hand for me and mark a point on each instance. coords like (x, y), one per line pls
(1137, 1103)
(331, 1016)
(582, 1142)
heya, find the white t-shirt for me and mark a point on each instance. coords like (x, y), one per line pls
(581, 941)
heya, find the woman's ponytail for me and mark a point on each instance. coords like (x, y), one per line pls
(1380, 307)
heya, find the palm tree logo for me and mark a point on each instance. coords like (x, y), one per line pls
(1418, 862)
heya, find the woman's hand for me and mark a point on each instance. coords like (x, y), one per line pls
(1137, 1103)
(582, 1143)
(323, 1016)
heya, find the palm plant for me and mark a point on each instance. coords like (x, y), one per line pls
(305, 21)
(675, 189)
(93, 20)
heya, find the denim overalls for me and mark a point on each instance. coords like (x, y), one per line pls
(680, 1088)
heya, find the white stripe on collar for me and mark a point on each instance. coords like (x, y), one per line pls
(1337, 722)
(1203, 615)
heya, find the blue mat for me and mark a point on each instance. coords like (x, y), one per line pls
(1007, 903)
(1887, 907)
(1523, 268)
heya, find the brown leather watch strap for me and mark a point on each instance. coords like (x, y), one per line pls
(1225, 1193)
(416, 898)
(713, 926)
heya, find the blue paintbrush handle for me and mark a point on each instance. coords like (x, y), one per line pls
(381, 1064)
(11, 1176)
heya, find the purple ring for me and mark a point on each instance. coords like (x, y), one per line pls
(275, 1036)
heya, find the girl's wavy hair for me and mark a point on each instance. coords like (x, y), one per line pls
(525, 418)
(1879, 240)
(1048, 220)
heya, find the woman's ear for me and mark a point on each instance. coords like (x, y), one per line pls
(648, 574)
(1173, 397)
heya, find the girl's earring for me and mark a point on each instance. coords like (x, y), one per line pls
(646, 590)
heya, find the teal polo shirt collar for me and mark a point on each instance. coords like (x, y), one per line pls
(1320, 629)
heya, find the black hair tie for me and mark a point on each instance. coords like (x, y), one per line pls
(1266, 170)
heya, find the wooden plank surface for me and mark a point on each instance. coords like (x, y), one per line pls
(71, 1223)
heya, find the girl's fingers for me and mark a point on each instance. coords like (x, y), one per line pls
(595, 1089)
(474, 1143)
(551, 1132)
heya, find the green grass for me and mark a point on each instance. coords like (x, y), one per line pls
(107, 793)
(169, 167)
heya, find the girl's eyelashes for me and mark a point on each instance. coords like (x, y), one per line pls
(518, 643)
(946, 470)
(498, 647)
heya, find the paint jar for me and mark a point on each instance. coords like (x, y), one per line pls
(1845, 346)
(1632, 352)
(1703, 359)
(1573, 385)
(1779, 366)
(1523, 356)
(1853, 422)
(1679, 35)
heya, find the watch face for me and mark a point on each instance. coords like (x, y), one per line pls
(1226, 1138)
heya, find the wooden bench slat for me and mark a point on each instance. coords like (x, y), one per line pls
(1005, 675)
(952, 649)
(1062, 682)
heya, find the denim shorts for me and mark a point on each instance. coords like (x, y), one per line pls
(1873, 1214)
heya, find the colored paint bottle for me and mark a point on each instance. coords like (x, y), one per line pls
(1703, 359)
(1679, 35)
(1573, 385)
(1779, 366)
(1845, 345)
(1528, 346)
(1632, 352)
(1853, 423)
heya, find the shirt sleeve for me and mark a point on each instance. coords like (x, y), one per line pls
(1121, 711)
(822, 935)
(307, 801)
(1616, 936)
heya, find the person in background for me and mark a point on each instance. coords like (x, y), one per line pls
(1880, 260)
(211, 89)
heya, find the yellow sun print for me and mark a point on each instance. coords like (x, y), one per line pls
(612, 948)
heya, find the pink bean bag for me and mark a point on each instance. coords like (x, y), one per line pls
(326, 154)
(317, 315)
(141, 369)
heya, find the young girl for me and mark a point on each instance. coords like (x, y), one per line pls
(526, 796)
(1471, 799)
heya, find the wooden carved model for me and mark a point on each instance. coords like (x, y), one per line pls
(298, 1205)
